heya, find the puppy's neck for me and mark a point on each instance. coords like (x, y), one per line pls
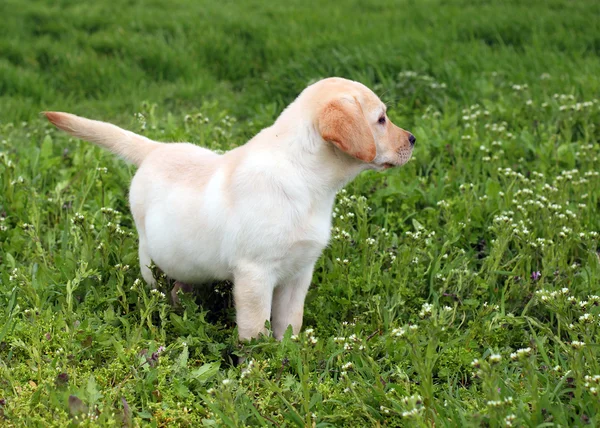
(325, 168)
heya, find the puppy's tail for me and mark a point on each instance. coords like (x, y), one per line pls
(132, 147)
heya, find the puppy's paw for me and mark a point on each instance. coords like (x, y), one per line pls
(185, 288)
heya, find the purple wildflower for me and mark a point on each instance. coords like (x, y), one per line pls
(154, 357)
(536, 275)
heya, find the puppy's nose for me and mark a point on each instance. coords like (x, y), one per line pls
(411, 139)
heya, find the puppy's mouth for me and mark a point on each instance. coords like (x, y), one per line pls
(387, 165)
(383, 166)
(396, 161)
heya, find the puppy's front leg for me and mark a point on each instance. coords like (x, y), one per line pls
(253, 293)
(288, 303)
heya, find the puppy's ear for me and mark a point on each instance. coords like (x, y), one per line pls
(343, 123)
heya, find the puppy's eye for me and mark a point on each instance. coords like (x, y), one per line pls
(381, 120)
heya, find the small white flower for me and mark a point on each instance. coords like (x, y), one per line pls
(508, 420)
(426, 310)
(520, 354)
(495, 358)
(398, 332)
(495, 403)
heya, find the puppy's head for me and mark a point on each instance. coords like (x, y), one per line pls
(353, 118)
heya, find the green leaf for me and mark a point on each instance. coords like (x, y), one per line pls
(205, 372)
(181, 362)
(144, 414)
(471, 302)
(46, 148)
(93, 394)
(565, 154)
(294, 417)
(315, 399)
(11, 306)
(417, 225)
(492, 188)
(180, 389)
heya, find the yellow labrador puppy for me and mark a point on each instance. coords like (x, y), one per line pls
(259, 215)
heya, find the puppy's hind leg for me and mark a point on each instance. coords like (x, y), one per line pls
(145, 261)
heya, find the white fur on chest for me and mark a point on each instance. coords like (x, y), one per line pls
(281, 223)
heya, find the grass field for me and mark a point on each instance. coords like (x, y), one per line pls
(460, 290)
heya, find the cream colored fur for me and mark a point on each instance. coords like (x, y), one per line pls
(259, 215)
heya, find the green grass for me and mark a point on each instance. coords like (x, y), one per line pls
(432, 272)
